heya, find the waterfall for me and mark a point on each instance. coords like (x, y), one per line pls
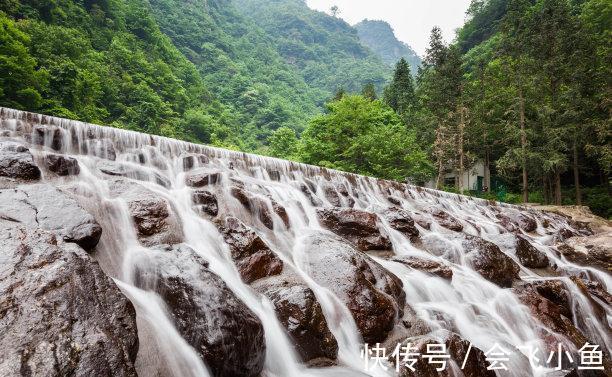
(282, 203)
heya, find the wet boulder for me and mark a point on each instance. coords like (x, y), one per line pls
(594, 252)
(360, 227)
(203, 177)
(551, 314)
(301, 315)
(131, 171)
(489, 261)
(226, 334)
(401, 221)
(46, 207)
(513, 220)
(154, 218)
(253, 258)
(446, 220)
(189, 161)
(48, 136)
(426, 265)
(374, 296)
(60, 315)
(529, 255)
(17, 162)
(62, 165)
(102, 148)
(421, 220)
(206, 202)
(457, 348)
(310, 194)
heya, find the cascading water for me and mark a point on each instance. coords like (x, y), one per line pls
(282, 202)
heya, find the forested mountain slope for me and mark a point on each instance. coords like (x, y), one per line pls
(380, 38)
(197, 70)
(324, 49)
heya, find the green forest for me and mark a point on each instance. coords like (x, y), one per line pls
(524, 88)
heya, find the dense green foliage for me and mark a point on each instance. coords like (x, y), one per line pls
(366, 137)
(526, 89)
(380, 38)
(324, 49)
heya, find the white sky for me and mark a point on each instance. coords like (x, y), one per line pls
(412, 20)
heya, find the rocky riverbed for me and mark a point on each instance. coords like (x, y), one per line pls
(126, 254)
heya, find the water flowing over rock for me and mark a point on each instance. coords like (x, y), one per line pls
(373, 295)
(62, 165)
(360, 227)
(253, 257)
(528, 255)
(16, 161)
(156, 221)
(129, 254)
(301, 315)
(224, 332)
(45, 206)
(60, 315)
(488, 260)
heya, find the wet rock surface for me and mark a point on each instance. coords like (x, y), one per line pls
(401, 221)
(301, 315)
(203, 177)
(226, 334)
(49, 208)
(102, 148)
(253, 257)
(488, 260)
(426, 265)
(446, 220)
(17, 162)
(360, 227)
(529, 255)
(373, 295)
(153, 216)
(206, 202)
(62, 165)
(60, 315)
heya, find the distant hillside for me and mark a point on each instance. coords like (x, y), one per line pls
(324, 49)
(380, 38)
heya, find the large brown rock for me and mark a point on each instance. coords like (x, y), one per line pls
(203, 177)
(446, 220)
(426, 265)
(489, 261)
(62, 165)
(60, 315)
(103, 148)
(226, 334)
(301, 315)
(153, 216)
(206, 202)
(132, 171)
(401, 221)
(46, 207)
(512, 220)
(360, 227)
(373, 295)
(251, 254)
(17, 162)
(529, 255)
(456, 347)
(588, 251)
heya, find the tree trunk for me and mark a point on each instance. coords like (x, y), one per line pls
(461, 128)
(439, 179)
(487, 171)
(558, 189)
(577, 176)
(544, 190)
(523, 144)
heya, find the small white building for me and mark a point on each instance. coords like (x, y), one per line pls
(473, 178)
